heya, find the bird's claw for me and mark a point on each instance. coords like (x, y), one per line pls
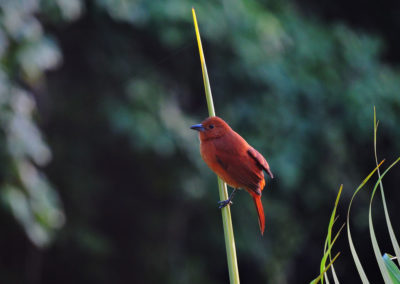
(224, 203)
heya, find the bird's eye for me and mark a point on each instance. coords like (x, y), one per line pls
(211, 126)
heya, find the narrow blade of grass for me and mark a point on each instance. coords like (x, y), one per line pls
(393, 239)
(329, 235)
(393, 270)
(315, 281)
(335, 278)
(326, 277)
(223, 192)
(356, 259)
(327, 253)
(375, 246)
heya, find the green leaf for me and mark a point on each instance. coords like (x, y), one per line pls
(393, 270)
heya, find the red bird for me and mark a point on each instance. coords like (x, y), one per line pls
(233, 160)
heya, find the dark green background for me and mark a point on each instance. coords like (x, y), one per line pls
(101, 180)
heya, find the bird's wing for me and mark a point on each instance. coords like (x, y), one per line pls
(260, 160)
(241, 171)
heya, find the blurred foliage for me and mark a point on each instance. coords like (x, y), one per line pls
(139, 202)
(26, 52)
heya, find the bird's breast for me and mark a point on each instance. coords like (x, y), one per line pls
(209, 152)
(230, 163)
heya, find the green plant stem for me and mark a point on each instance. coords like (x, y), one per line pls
(223, 192)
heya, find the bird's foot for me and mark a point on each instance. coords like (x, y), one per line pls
(224, 203)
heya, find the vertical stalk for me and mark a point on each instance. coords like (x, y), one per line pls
(223, 193)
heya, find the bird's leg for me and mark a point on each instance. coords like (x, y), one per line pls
(223, 203)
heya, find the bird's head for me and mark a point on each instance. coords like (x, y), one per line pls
(212, 127)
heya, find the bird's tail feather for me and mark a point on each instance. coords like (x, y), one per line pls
(260, 212)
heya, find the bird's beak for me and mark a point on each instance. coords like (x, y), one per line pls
(198, 127)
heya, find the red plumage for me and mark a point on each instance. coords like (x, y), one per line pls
(233, 160)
